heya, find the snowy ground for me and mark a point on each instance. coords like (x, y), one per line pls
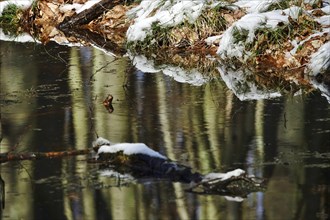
(166, 14)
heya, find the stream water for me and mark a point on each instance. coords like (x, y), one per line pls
(51, 100)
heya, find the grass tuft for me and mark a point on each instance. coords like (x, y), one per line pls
(10, 19)
(209, 23)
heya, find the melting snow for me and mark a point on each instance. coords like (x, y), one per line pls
(326, 9)
(296, 45)
(172, 13)
(248, 24)
(293, 12)
(256, 5)
(223, 176)
(87, 5)
(168, 14)
(127, 148)
(23, 38)
(101, 141)
(78, 7)
(320, 61)
(324, 20)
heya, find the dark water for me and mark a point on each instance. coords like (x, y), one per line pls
(51, 100)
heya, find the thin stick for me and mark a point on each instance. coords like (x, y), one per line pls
(11, 156)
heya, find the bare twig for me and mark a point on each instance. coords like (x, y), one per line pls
(12, 156)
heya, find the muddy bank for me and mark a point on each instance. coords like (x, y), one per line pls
(285, 44)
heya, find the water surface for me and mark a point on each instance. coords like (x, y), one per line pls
(51, 100)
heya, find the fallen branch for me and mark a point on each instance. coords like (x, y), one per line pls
(88, 15)
(12, 156)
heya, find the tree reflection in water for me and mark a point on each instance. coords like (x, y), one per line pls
(51, 105)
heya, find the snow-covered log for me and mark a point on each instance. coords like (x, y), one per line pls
(140, 161)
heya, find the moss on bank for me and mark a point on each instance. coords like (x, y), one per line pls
(10, 19)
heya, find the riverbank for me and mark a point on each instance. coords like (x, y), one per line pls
(282, 42)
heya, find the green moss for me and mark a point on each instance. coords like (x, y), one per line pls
(10, 19)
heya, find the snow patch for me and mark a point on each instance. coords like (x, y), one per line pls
(320, 60)
(256, 5)
(78, 7)
(23, 38)
(69, 7)
(163, 13)
(210, 40)
(100, 142)
(23, 4)
(294, 12)
(231, 47)
(311, 2)
(326, 9)
(223, 176)
(127, 148)
(87, 5)
(324, 20)
(296, 44)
